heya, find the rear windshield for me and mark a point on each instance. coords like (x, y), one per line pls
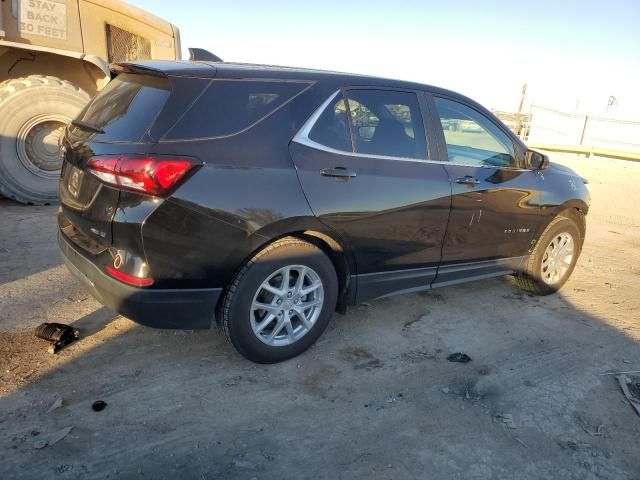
(127, 106)
(229, 106)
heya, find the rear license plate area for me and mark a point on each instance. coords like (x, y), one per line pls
(74, 180)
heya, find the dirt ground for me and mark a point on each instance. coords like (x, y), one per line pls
(375, 398)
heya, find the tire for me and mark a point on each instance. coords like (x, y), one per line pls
(538, 275)
(239, 319)
(33, 112)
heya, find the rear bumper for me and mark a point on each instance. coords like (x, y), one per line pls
(159, 308)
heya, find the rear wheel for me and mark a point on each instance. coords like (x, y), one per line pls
(280, 302)
(553, 259)
(34, 111)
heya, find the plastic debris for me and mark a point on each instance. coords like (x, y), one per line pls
(631, 390)
(58, 334)
(99, 405)
(620, 373)
(459, 357)
(52, 439)
(506, 419)
(57, 404)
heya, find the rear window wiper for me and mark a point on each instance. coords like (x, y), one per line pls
(86, 126)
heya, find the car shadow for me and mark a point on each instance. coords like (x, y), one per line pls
(375, 397)
(21, 252)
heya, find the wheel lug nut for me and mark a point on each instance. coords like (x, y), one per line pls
(279, 301)
(290, 312)
(289, 294)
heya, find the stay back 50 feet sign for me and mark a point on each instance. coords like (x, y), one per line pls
(47, 18)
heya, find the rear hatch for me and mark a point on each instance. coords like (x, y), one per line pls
(115, 127)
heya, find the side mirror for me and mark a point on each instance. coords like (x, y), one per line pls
(536, 160)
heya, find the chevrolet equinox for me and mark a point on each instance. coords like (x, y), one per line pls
(267, 198)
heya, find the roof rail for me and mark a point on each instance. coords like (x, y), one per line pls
(202, 55)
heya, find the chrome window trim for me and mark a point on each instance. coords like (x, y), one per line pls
(302, 138)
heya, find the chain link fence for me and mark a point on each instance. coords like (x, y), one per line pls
(548, 126)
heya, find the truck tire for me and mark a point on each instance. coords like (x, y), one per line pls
(33, 113)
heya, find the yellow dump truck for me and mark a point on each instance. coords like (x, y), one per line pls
(54, 55)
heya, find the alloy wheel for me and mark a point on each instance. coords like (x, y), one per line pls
(287, 305)
(557, 258)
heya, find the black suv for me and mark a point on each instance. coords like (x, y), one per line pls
(270, 197)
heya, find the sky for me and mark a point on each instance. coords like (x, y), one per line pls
(573, 55)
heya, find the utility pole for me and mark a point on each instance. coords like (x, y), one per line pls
(518, 125)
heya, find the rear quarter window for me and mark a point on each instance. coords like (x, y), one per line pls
(127, 107)
(228, 107)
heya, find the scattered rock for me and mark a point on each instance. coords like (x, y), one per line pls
(459, 357)
(244, 464)
(63, 467)
(233, 381)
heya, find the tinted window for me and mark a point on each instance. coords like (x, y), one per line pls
(386, 122)
(229, 106)
(332, 127)
(127, 106)
(473, 139)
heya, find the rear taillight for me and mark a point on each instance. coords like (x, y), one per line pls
(151, 174)
(128, 279)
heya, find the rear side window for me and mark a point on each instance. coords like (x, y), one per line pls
(387, 122)
(229, 106)
(126, 107)
(332, 127)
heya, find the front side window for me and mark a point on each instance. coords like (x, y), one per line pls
(387, 122)
(472, 138)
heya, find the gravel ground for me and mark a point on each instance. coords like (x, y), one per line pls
(374, 398)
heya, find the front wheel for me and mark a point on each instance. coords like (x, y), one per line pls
(553, 259)
(280, 302)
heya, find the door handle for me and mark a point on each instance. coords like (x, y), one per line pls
(467, 180)
(337, 172)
